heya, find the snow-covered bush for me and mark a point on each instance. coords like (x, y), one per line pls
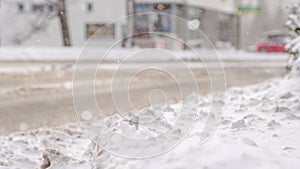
(293, 47)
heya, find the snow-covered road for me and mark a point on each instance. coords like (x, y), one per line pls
(40, 93)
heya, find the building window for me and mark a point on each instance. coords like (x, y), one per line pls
(53, 7)
(157, 22)
(89, 7)
(100, 31)
(21, 7)
(38, 8)
(162, 23)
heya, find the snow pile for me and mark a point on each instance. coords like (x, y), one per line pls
(260, 128)
(38, 149)
(148, 131)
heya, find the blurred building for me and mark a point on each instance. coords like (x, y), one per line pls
(225, 22)
(34, 22)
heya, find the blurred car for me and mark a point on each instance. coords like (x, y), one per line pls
(272, 43)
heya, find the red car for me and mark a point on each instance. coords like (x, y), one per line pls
(272, 43)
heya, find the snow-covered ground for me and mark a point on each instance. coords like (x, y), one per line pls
(93, 53)
(260, 128)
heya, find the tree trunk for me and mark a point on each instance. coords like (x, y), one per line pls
(64, 22)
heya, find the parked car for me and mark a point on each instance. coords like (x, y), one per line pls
(272, 43)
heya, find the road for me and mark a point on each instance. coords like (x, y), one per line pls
(39, 94)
